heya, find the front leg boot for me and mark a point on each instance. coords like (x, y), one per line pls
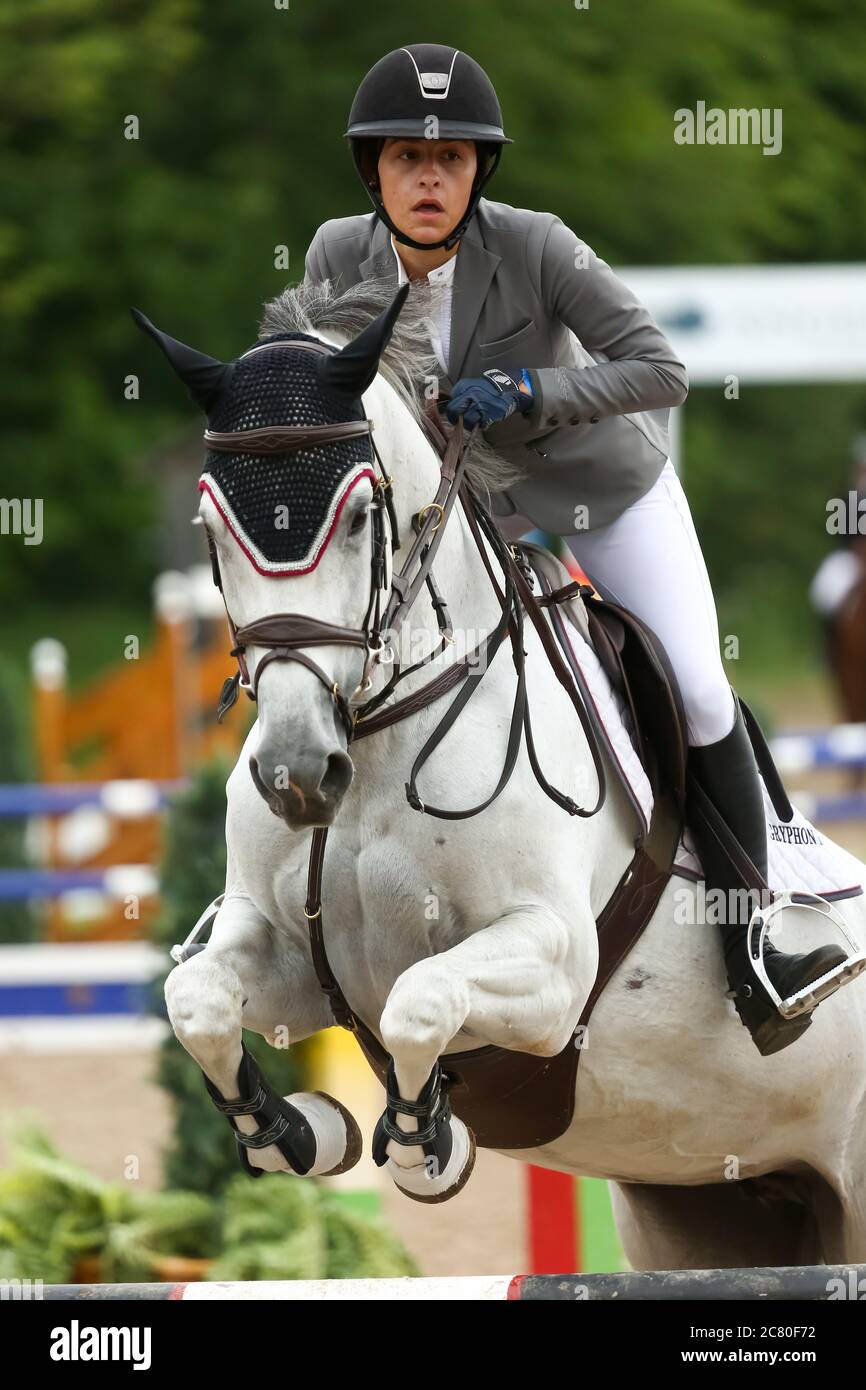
(314, 1133)
(447, 1143)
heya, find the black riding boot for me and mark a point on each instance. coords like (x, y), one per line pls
(729, 775)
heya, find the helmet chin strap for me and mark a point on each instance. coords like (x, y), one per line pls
(446, 243)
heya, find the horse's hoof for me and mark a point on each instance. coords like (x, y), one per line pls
(338, 1138)
(422, 1185)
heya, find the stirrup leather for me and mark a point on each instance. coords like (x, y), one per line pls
(805, 999)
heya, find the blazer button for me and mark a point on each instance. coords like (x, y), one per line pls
(574, 420)
(593, 420)
(552, 420)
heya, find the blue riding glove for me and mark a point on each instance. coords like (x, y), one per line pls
(485, 400)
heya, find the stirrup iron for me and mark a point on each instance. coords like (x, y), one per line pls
(807, 998)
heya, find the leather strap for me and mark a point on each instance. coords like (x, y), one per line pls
(764, 758)
(282, 439)
(411, 704)
(563, 675)
(404, 590)
(289, 629)
(343, 1015)
(703, 811)
(636, 897)
(551, 599)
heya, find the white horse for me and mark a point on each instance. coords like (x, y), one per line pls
(446, 936)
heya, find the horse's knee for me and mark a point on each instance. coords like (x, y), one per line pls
(426, 1007)
(203, 998)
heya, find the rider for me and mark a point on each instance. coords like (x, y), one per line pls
(566, 372)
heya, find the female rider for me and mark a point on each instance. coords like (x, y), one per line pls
(587, 419)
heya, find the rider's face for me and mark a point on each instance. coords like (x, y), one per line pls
(415, 172)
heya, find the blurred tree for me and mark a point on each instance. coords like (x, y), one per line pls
(17, 920)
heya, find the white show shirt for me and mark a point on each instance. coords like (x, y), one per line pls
(441, 327)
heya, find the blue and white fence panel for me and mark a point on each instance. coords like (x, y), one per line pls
(840, 748)
(81, 997)
(75, 820)
(130, 799)
(805, 750)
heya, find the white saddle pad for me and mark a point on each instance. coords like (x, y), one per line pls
(800, 857)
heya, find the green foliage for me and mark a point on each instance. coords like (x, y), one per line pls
(758, 473)
(278, 1229)
(202, 1153)
(240, 149)
(53, 1212)
(360, 1245)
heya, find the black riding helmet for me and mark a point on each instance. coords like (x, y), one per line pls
(399, 95)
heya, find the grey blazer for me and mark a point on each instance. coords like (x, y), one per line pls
(529, 293)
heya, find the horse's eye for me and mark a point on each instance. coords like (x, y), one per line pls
(358, 522)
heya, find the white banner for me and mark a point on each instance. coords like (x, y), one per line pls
(760, 323)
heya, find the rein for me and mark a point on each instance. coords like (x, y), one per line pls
(283, 634)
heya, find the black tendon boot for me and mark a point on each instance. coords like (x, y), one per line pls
(729, 775)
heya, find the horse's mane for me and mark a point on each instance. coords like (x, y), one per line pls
(407, 362)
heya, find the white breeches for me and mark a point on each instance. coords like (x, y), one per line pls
(650, 560)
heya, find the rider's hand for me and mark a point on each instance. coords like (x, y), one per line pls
(484, 400)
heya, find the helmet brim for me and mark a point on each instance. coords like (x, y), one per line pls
(420, 130)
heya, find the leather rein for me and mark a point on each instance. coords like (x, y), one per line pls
(283, 634)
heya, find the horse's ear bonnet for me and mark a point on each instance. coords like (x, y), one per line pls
(282, 508)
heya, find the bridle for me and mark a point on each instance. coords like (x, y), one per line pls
(284, 634)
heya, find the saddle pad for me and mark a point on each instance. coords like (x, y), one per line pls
(800, 857)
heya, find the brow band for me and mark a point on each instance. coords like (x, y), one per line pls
(280, 439)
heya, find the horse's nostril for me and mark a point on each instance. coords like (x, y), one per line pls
(304, 792)
(338, 775)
